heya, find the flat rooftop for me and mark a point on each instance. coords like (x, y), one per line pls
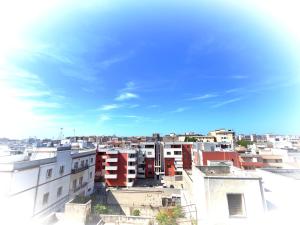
(224, 171)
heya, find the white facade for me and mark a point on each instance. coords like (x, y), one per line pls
(36, 186)
(210, 195)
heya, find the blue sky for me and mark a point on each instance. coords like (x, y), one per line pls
(134, 68)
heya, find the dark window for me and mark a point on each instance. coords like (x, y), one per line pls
(49, 173)
(59, 192)
(149, 146)
(61, 170)
(168, 166)
(235, 204)
(45, 198)
(175, 146)
(177, 152)
(168, 153)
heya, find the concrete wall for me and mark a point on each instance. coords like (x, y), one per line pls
(209, 194)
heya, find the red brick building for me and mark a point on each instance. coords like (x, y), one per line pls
(116, 166)
(177, 157)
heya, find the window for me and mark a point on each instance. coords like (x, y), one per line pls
(175, 146)
(86, 162)
(80, 181)
(61, 170)
(45, 198)
(74, 184)
(236, 204)
(168, 153)
(49, 173)
(149, 153)
(92, 160)
(59, 192)
(82, 163)
(76, 165)
(91, 175)
(177, 152)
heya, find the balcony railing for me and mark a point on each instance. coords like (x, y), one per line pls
(111, 167)
(131, 159)
(110, 176)
(77, 170)
(112, 160)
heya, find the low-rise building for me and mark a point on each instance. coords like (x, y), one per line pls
(223, 195)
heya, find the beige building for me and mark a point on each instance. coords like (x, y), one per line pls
(223, 135)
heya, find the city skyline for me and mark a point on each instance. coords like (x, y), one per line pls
(127, 69)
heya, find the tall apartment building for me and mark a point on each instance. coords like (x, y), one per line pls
(116, 166)
(177, 157)
(146, 160)
(39, 183)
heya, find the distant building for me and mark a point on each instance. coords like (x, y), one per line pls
(117, 167)
(223, 135)
(177, 157)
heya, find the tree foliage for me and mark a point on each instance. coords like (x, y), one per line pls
(100, 209)
(244, 143)
(136, 212)
(169, 216)
(190, 139)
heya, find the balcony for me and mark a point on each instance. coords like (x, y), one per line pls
(179, 169)
(111, 168)
(131, 175)
(141, 170)
(110, 176)
(131, 159)
(111, 160)
(131, 167)
(77, 170)
(112, 152)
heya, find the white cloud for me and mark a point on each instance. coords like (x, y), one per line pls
(179, 110)
(153, 106)
(103, 118)
(109, 107)
(202, 97)
(239, 77)
(226, 102)
(126, 96)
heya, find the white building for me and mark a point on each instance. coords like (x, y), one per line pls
(223, 195)
(37, 184)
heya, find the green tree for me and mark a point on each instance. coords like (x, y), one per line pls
(177, 211)
(136, 212)
(190, 139)
(100, 209)
(244, 143)
(169, 216)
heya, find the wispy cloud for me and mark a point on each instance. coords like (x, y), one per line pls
(133, 106)
(109, 107)
(103, 118)
(226, 102)
(116, 59)
(233, 90)
(126, 96)
(239, 77)
(153, 106)
(180, 110)
(202, 97)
